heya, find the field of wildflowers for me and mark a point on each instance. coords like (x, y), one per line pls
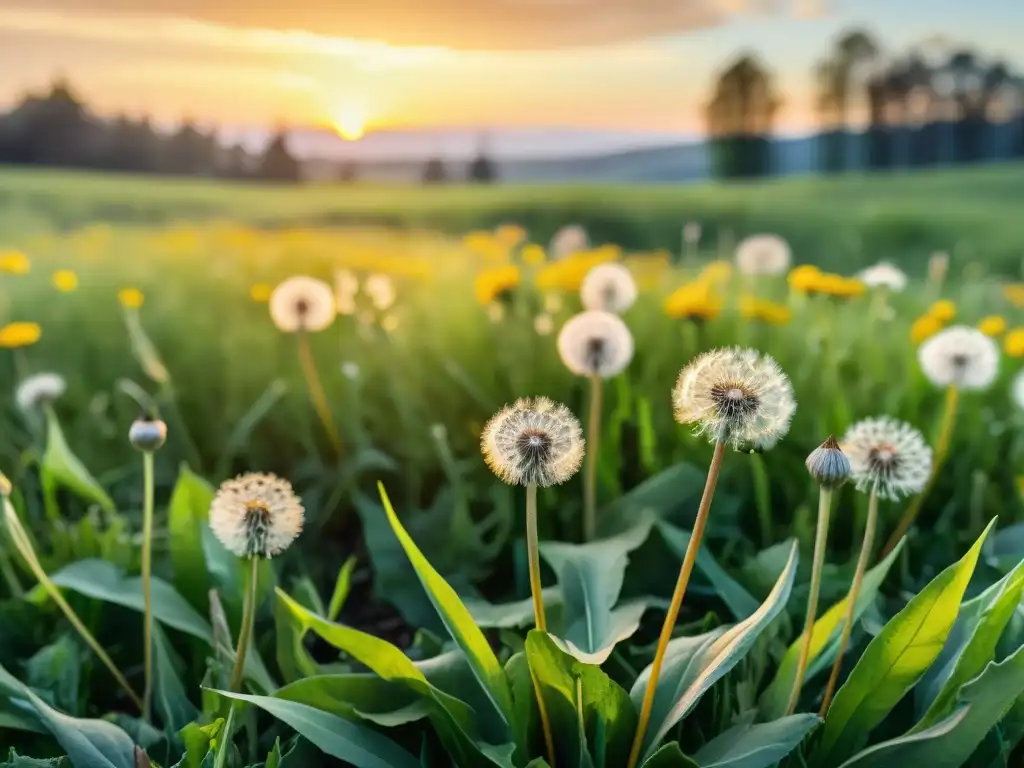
(540, 500)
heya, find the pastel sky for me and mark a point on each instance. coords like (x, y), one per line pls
(617, 65)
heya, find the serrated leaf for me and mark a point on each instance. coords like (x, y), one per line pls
(824, 640)
(693, 665)
(895, 660)
(187, 514)
(949, 743)
(61, 467)
(756, 745)
(355, 744)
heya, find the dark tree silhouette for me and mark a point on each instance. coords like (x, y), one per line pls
(434, 171)
(348, 172)
(840, 78)
(739, 118)
(278, 164)
(482, 170)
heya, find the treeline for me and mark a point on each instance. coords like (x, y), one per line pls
(57, 129)
(920, 110)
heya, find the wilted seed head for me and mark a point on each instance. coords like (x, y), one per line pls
(595, 343)
(828, 464)
(737, 395)
(39, 390)
(609, 287)
(147, 434)
(302, 304)
(960, 356)
(889, 453)
(256, 515)
(533, 442)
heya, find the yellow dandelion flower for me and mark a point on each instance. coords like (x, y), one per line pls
(764, 311)
(943, 310)
(260, 292)
(1014, 293)
(533, 254)
(493, 283)
(510, 235)
(837, 286)
(693, 300)
(1013, 342)
(924, 327)
(19, 335)
(130, 298)
(65, 281)
(14, 262)
(804, 278)
(993, 325)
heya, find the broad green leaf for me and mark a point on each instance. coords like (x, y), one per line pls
(341, 588)
(89, 743)
(590, 576)
(608, 715)
(199, 741)
(669, 756)
(169, 696)
(738, 600)
(358, 696)
(356, 744)
(515, 614)
(293, 659)
(1007, 547)
(693, 665)
(756, 746)
(895, 660)
(660, 495)
(187, 514)
(56, 669)
(980, 622)
(824, 640)
(61, 467)
(457, 620)
(950, 742)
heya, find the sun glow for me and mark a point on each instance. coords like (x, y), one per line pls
(350, 122)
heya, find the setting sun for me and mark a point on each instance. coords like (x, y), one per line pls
(350, 122)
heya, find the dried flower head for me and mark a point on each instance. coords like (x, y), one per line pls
(890, 453)
(302, 304)
(763, 255)
(828, 464)
(737, 395)
(609, 287)
(256, 515)
(595, 343)
(535, 441)
(39, 390)
(884, 275)
(960, 356)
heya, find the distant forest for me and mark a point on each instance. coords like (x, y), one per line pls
(916, 109)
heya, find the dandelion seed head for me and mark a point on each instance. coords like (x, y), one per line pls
(256, 515)
(609, 287)
(763, 255)
(38, 390)
(736, 395)
(147, 434)
(888, 452)
(302, 304)
(570, 239)
(828, 465)
(535, 441)
(884, 275)
(960, 356)
(595, 343)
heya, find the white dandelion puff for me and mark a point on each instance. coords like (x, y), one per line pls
(346, 286)
(350, 370)
(889, 453)
(595, 343)
(884, 275)
(609, 287)
(302, 304)
(256, 515)
(763, 255)
(381, 290)
(961, 357)
(736, 395)
(535, 441)
(38, 390)
(570, 239)
(692, 232)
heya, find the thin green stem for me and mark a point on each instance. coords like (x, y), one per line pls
(24, 547)
(941, 453)
(851, 598)
(248, 619)
(533, 557)
(316, 391)
(820, 542)
(147, 576)
(677, 600)
(593, 452)
(9, 574)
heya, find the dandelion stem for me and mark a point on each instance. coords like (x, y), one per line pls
(677, 600)
(248, 619)
(316, 391)
(941, 453)
(545, 721)
(24, 547)
(851, 597)
(820, 539)
(590, 481)
(533, 555)
(147, 572)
